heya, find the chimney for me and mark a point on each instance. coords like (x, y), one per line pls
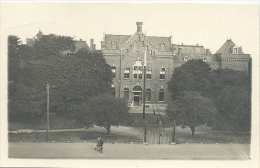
(91, 44)
(139, 26)
(207, 52)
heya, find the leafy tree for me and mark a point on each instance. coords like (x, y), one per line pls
(104, 111)
(230, 91)
(191, 109)
(73, 79)
(191, 76)
(53, 45)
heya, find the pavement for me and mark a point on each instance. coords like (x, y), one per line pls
(129, 151)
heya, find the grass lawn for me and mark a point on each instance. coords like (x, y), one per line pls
(60, 131)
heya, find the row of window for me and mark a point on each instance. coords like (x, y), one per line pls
(148, 95)
(138, 72)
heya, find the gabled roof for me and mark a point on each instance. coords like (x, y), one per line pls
(154, 40)
(227, 48)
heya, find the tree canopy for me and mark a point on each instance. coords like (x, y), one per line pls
(191, 109)
(191, 76)
(103, 110)
(53, 45)
(73, 78)
(230, 91)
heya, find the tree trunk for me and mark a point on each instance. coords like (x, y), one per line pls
(192, 130)
(108, 130)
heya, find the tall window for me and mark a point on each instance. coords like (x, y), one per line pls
(126, 73)
(135, 71)
(114, 71)
(149, 73)
(126, 94)
(140, 72)
(161, 95)
(148, 95)
(113, 44)
(162, 73)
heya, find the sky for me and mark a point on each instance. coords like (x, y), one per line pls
(209, 25)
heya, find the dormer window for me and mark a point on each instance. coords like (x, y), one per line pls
(113, 43)
(235, 50)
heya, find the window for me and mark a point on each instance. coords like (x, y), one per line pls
(161, 95)
(151, 52)
(126, 51)
(114, 71)
(162, 44)
(149, 73)
(146, 47)
(140, 74)
(113, 44)
(162, 73)
(126, 94)
(204, 59)
(185, 58)
(148, 95)
(135, 72)
(235, 51)
(126, 73)
(130, 47)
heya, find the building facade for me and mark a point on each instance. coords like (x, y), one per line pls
(127, 54)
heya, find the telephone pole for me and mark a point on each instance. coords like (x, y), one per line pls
(144, 96)
(48, 98)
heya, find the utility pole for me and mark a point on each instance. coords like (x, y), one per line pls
(48, 97)
(144, 96)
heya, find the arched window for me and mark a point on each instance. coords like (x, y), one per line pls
(162, 73)
(148, 95)
(161, 95)
(162, 45)
(146, 47)
(126, 94)
(114, 71)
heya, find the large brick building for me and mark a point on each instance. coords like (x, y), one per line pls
(125, 53)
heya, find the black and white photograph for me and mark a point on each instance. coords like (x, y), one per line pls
(88, 84)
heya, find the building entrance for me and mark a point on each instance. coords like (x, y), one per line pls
(137, 92)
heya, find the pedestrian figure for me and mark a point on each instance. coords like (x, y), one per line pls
(100, 144)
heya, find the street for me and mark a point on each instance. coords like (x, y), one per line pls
(129, 151)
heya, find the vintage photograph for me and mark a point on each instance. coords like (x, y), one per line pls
(130, 82)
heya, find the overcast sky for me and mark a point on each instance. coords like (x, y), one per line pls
(209, 25)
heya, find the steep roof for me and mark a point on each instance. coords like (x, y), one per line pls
(227, 48)
(121, 39)
(81, 44)
(157, 41)
(192, 49)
